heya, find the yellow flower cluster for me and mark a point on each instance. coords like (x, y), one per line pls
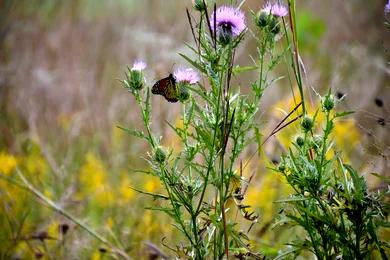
(7, 163)
(94, 182)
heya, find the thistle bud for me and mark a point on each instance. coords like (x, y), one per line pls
(328, 103)
(307, 123)
(282, 167)
(261, 19)
(198, 5)
(274, 25)
(136, 79)
(160, 155)
(300, 141)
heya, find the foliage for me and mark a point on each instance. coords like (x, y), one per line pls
(69, 178)
(331, 202)
(201, 181)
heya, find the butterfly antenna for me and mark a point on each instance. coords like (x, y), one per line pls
(173, 65)
(192, 27)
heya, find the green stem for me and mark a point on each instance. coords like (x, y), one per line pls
(211, 157)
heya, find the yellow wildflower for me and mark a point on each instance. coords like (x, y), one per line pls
(152, 184)
(126, 193)
(94, 182)
(7, 163)
(92, 174)
(96, 256)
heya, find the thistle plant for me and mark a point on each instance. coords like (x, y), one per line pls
(331, 202)
(203, 182)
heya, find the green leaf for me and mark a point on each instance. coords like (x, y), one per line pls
(154, 195)
(193, 63)
(133, 132)
(291, 200)
(238, 69)
(345, 113)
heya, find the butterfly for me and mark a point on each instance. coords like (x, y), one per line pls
(166, 87)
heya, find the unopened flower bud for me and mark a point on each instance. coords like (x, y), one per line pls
(300, 141)
(328, 103)
(307, 123)
(198, 5)
(274, 25)
(282, 167)
(136, 79)
(261, 19)
(160, 155)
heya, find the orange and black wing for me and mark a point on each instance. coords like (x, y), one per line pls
(166, 87)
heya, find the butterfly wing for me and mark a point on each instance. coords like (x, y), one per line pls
(167, 88)
(159, 87)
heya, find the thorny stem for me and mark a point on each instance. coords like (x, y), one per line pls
(211, 157)
(146, 122)
(326, 134)
(224, 139)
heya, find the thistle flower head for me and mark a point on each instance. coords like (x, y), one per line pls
(135, 77)
(229, 20)
(276, 9)
(387, 8)
(138, 65)
(186, 75)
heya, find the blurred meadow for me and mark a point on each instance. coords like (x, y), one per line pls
(61, 103)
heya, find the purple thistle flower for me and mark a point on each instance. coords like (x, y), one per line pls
(276, 9)
(228, 20)
(187, 75)
(387, 8)
(138, 65)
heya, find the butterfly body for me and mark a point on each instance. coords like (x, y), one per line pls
(166, 87)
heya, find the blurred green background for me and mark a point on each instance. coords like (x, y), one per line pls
(61, 103)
